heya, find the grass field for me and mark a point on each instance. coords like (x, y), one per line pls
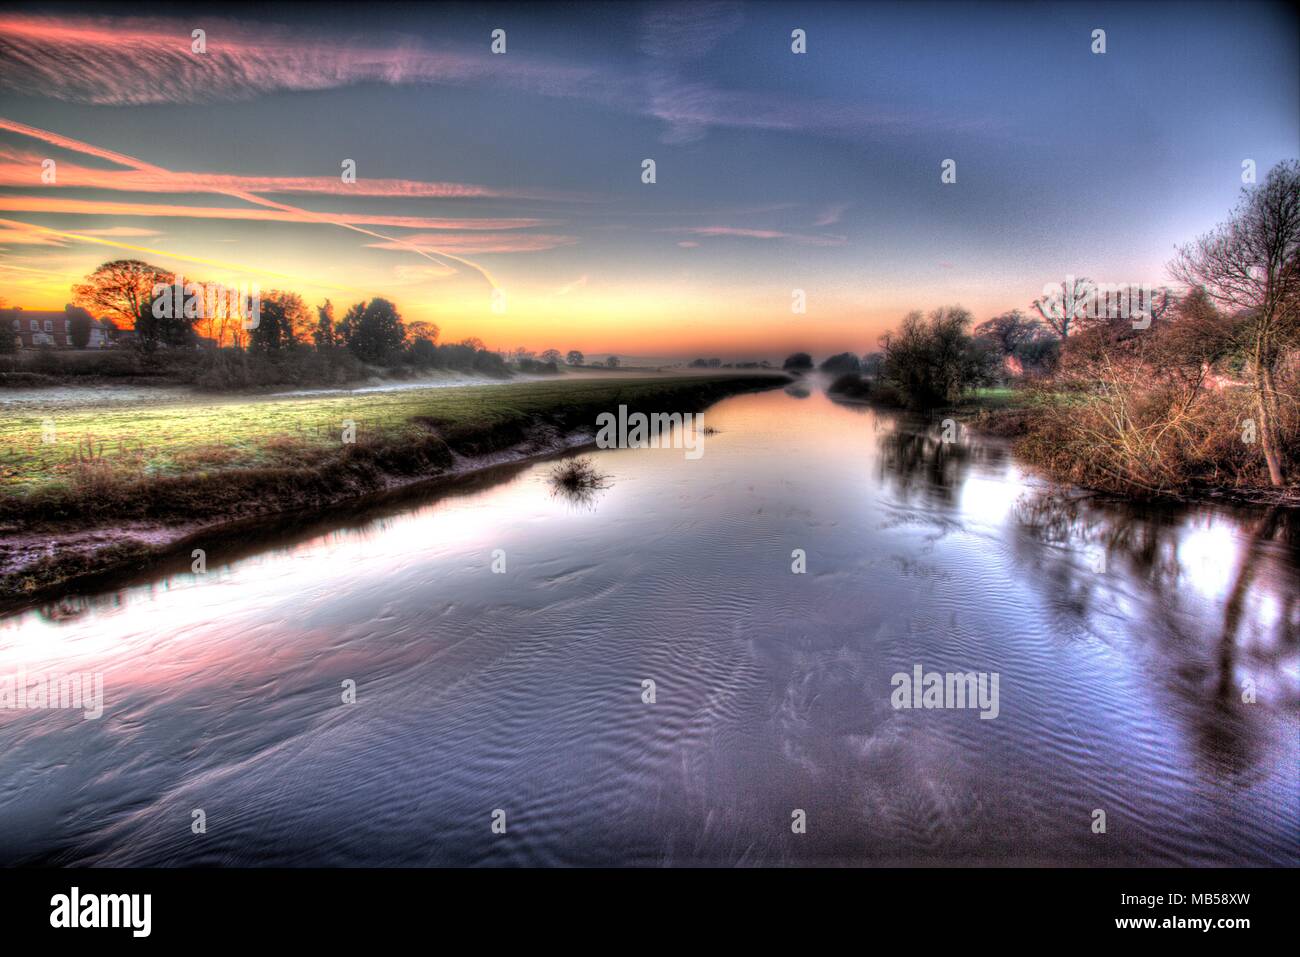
(99, 450)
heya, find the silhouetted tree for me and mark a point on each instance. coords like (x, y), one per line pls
(422, 330)
(423, 352)
(797, 362)
(574, 358)
(282, 315)
(839, 364)
(373, 331)
(170, 328)
(326, 336)
(79, 324)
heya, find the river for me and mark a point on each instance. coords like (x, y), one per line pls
(500, 638)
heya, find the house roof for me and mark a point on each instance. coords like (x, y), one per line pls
(42, 314)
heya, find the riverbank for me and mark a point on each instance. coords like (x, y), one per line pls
(120, 487)
(1021, 416)
(1030, 420)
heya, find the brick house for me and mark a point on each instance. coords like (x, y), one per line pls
(40, 327)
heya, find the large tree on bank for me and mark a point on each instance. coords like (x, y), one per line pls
(1250, 267)
(118, 290)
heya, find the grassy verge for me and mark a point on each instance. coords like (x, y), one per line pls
(190, 465)
(1003, 411)
(1000, 410)
(146, 461)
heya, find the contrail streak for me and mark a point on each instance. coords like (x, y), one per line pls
(65, 142)
(217, 263)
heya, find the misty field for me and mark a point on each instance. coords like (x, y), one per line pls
(97, 451)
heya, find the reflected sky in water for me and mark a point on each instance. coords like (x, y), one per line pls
(1123, 637)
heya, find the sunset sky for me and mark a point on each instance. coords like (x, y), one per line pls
(775, 171)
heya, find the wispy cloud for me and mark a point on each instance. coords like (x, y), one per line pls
(675, 31)
(124, 232)
(130, 61)
(831, 214)
(12, 236)
(804, 239)
(477, 243)
(99, 207)
(131, 162)
(415, 274)
(9, 224)
(23, 168)
(571, 286)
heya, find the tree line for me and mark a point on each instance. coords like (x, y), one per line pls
(1200, 388)
(289, 341)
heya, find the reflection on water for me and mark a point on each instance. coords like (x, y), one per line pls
(1126, 639)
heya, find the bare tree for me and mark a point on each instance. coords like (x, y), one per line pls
(1009, 330)
(422, 330)
(119, 289)
(1060, 309)
(1250, 266)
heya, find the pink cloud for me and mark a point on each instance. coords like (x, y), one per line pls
(121, 232)
(470, 243)
(21, 237)
(800, 238)
(131, 162)
(129, 61)
(134, 60)
(96, 207)
(23, 168)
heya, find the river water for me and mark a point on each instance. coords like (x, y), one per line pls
(1124, 641)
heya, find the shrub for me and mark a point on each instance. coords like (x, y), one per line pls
(489, 363)
(851, 386)
(797, 362)
(933, 361)
(844, 362)
(538, 367)
(579, 474)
